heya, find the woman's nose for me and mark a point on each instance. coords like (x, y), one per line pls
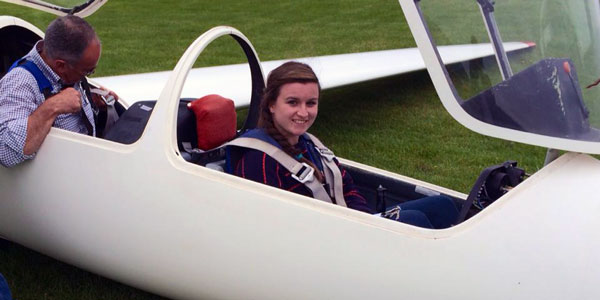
(302, 111)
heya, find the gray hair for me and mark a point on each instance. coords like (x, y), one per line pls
(67, 38)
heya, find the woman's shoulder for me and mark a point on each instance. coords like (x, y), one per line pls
(260, 134)
(257, 165)
(252, 154)
(253, 157)
(311, 138)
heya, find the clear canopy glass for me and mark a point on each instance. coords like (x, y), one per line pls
(80, 8)
(544, 91)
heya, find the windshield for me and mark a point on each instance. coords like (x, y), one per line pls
(82, 8)
(541, 89)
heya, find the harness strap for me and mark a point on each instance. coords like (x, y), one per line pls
(88, 124)
(332, 171)
(300, 171)
(43, 83)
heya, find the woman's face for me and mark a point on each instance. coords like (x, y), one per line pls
(295, 109)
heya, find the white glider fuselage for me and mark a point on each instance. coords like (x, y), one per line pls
(142, 215)
(186, 231)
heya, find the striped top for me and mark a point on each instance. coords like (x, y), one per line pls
(258, 166)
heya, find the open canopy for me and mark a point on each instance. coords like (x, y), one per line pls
(537, 96)
(62, 7)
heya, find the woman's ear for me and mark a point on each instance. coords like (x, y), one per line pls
(271, 108)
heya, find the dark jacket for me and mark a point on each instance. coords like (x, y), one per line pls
(258, 166)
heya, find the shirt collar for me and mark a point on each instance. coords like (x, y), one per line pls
(34, 56)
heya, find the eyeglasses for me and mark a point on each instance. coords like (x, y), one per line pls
(85, 73)
(90, 72)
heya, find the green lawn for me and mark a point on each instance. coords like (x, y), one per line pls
(395, 123)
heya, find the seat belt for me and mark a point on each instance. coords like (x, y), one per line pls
(332, 172)
(301, 171)
(88, 94)
(105, 119)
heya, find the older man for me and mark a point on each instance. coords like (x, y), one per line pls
(44, 89)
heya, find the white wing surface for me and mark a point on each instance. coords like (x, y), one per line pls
(233, 81)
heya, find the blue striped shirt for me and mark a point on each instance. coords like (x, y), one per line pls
(20, 96)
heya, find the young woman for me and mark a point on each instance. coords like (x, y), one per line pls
(299, 162)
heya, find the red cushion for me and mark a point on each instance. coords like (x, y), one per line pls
(215, 120)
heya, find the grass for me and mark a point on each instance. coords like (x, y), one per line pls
(395, 123)
(66, 3)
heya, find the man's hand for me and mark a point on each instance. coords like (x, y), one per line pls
(68, 101)
(101, 95)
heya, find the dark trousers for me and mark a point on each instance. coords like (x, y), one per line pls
(430, 212)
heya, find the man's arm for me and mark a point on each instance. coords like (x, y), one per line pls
(41, 120)
(20, 99)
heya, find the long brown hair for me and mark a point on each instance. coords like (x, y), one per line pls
(289, 72)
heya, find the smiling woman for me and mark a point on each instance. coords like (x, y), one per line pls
(297, 161)
(295, 109)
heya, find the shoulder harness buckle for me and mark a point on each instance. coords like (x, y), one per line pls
(327, 154)
(305, 174)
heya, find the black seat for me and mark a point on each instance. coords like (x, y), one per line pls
(132, 122)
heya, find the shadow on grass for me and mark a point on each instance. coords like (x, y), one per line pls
(35, 276)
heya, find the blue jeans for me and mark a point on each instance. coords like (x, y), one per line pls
(434, 212)
(4, 290)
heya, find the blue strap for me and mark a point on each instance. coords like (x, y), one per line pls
(4, 289)
(261, 134)
(42, 81)
(311, 151)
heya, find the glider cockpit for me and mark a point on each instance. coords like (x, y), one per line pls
(379, 189)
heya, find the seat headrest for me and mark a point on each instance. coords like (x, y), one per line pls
(216, 120)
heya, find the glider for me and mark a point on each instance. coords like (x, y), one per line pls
(187, 231)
